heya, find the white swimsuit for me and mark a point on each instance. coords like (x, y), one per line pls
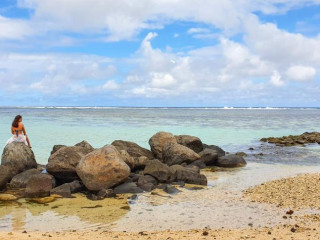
(18, 138)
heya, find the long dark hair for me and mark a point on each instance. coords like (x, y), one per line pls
(15, 122)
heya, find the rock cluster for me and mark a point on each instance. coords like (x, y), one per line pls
(122, 167)
(297, 140)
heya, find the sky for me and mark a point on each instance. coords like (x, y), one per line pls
(160, 53)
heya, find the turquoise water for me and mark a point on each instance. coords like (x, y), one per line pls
(233, 129)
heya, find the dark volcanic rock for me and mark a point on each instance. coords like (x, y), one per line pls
(127, 188)
(106, 193)
(231, 161)
(173, 153)
(188, 175)
(209, 156)
(5, 176)
(62, 164)
(63, 190)
(147, 179)
(85, 144)
(219, 150)
(158, 141)
(159, 170)
(75, 186)
(21, 180)
(102, 169)
(39, 186)
(133, 149)
(199, 163)
(18, 157)
(191, 142)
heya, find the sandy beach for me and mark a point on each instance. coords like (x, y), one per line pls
(289, 195)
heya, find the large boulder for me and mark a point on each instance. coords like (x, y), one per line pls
(85, 144)
(191, 142)
(102, 169)
(130, 161)
(132, 148)
(56, 148)
(5, 176)
(18, 157)
(231, 161)
(39, 186)
(219, 150)
(159, 170)
(62, 164)
(174, 153)
(157, 142)
(209, 156)
(21, 180)
(188, 175)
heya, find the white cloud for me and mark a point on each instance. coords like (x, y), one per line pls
(52, 74)
(110, 85)
(276, 79)
(198, 30)
(14, 29)
(301, 73)
(118, 20)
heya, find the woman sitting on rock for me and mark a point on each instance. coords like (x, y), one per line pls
(19, 132)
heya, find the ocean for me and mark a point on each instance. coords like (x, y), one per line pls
(234, 129)
(220, 202)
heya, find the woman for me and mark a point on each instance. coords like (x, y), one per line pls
(19, 132)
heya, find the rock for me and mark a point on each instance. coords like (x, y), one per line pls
(194, 168)
(127, 188)
(75, 186)
(169, 188)
(209, 156)
(251, 149)
(194, 143)
(21, 180)
(199, 163)
(62, 164)
(148, 187)
(219, 150)
(242, 154)
(127, 159)
(147, 179)
(43, 200)
(159, 170)
(135, 177)
(41, 167)
(39, 186)
(140, 162)
(63, 190)
(133, 149)
(188, 175)
(231, 161)
(56, 148)
(173, 153)
(157, 142)
(147, 183)
(18, 157)
(106, 193)
(7, 197)
(102, 169)
(86, 145)
(5, 176)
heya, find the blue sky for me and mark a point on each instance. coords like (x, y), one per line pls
(160, 53)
